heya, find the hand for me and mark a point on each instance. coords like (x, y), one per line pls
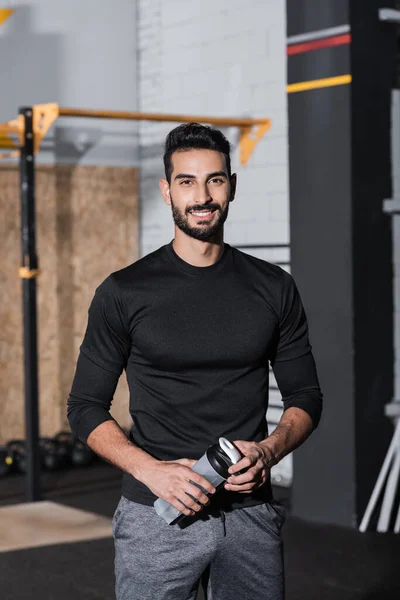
(257, 460)
(174, 482)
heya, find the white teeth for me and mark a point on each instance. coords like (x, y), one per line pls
(202, 213)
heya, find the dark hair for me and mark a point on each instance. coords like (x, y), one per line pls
(189, 136)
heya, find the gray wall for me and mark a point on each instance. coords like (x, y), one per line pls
(81, 54)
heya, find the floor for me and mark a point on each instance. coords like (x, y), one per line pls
(45, 523)
(322, 562)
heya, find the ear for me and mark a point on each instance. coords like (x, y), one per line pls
(233, 181)
(164, 189)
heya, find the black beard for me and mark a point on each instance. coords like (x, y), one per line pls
(203, 233)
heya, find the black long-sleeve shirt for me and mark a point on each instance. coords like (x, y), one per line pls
(195, 343)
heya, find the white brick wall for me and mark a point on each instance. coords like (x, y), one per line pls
(223, 58)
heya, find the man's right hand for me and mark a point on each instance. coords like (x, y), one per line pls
(171, 480)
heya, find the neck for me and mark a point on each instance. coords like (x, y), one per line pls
(196, 252)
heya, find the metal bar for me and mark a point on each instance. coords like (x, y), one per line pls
(380, 482)
(391, 205)
(390, 494)
(30, 263)
(315, 84)
(312, 45)
(7, 129)
(137, 116)
(317, 35)
(390, 15)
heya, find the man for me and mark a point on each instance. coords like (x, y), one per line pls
(195, 325)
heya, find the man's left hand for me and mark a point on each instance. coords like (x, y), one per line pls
(257, 460)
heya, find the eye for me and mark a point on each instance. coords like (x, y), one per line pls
(217, 180)
(186, 181)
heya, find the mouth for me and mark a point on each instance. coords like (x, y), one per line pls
(203, 215)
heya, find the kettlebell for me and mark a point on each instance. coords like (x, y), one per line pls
(82, 455)
(49, 455)
(65, 441)
(17, 451)
(6, 461)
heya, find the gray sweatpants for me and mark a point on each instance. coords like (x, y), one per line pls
(240, 551)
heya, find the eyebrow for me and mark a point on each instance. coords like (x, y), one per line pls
(209, 176)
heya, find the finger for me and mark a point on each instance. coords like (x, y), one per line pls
(178, 504)
(242, 446)
(195, 478)
(240, 488)
(250, 475)
(184, 508)
(197, 494)
(193, 503)
(244, 463)
(256, 482)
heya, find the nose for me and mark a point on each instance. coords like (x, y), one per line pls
(204, 195)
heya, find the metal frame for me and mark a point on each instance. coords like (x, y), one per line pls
(28, 273)
(389, 15)
(30, 127)
(44, 115)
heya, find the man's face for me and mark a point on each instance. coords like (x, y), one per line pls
(199, 192)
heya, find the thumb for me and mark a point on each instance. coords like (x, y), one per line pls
(240, 445)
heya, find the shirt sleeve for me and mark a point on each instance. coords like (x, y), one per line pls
(293, 362)
(103, 356)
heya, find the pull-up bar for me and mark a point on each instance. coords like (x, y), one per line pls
(44, 115)
(23, 137)
(139, 116)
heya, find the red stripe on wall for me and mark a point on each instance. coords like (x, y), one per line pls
(336, 40)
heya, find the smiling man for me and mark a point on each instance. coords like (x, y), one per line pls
(195, 325)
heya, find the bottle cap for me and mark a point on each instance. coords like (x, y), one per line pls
(230, 450)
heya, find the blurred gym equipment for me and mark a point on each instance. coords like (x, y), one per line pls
(390, 470)
(387, 481)
(17, 451)
(50, 457)
(6, 461)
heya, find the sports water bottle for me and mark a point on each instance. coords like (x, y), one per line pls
(213, 465)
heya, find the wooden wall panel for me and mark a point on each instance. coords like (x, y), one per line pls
(11, 403)
(87, 227)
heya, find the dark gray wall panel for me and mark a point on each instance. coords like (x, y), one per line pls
(320, 212)
(340, 173)
(312, 15)
(318, 64)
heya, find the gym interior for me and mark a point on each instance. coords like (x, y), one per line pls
(307, 92)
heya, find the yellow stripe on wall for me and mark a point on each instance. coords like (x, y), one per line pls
(4, 14)
(318, 83)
